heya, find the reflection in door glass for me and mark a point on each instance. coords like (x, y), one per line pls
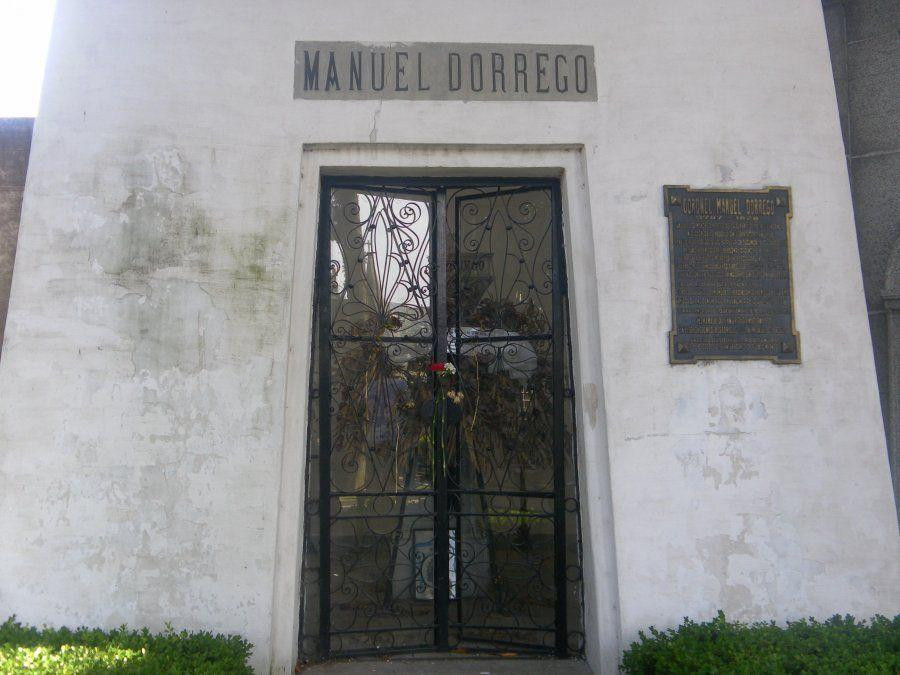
(441, 511)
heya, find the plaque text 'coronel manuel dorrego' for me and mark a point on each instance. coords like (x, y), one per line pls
(731, 275)
(444, 71)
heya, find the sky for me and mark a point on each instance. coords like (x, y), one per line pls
(24, 36)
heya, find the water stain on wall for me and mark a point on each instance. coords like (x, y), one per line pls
(190, 292)
(157, 224)
(592, 403)
(183, 301)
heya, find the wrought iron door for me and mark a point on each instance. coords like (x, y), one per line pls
(442, 502)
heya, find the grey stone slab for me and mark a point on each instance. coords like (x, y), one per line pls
(15, 146)
(837, 38)
(874, 94)
(444, 71)
(845, 136)
(878, 329)
(868, 18)
(876, 202)
(834, 25)
(449, 666)
(837, 47)
(892, 319)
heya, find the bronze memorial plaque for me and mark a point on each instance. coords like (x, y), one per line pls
(732, 296)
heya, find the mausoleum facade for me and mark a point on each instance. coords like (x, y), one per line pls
(367, 328)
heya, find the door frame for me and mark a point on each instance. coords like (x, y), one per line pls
(563, 162)
(435, 191)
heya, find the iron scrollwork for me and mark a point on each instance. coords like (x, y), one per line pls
(444, 510)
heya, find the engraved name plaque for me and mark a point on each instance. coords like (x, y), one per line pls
(444, 71)
(732, 296)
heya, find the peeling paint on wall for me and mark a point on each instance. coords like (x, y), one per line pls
(743, 567)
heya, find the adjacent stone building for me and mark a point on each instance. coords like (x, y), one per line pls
(15, 145)
(864, 42)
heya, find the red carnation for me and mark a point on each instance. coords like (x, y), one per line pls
(436, 367)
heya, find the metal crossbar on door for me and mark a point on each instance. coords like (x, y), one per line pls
(442, 504)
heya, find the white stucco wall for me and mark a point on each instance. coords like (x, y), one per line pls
(144, 374)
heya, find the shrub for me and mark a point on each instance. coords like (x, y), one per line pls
(839, 645)
(90, 650)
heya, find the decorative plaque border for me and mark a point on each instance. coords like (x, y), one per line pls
(731, 277)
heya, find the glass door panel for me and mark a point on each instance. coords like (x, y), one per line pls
(442, 504)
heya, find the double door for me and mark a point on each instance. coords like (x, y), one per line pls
(442, 507)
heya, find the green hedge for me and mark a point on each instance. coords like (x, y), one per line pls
(24, 649)
(839, 645)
